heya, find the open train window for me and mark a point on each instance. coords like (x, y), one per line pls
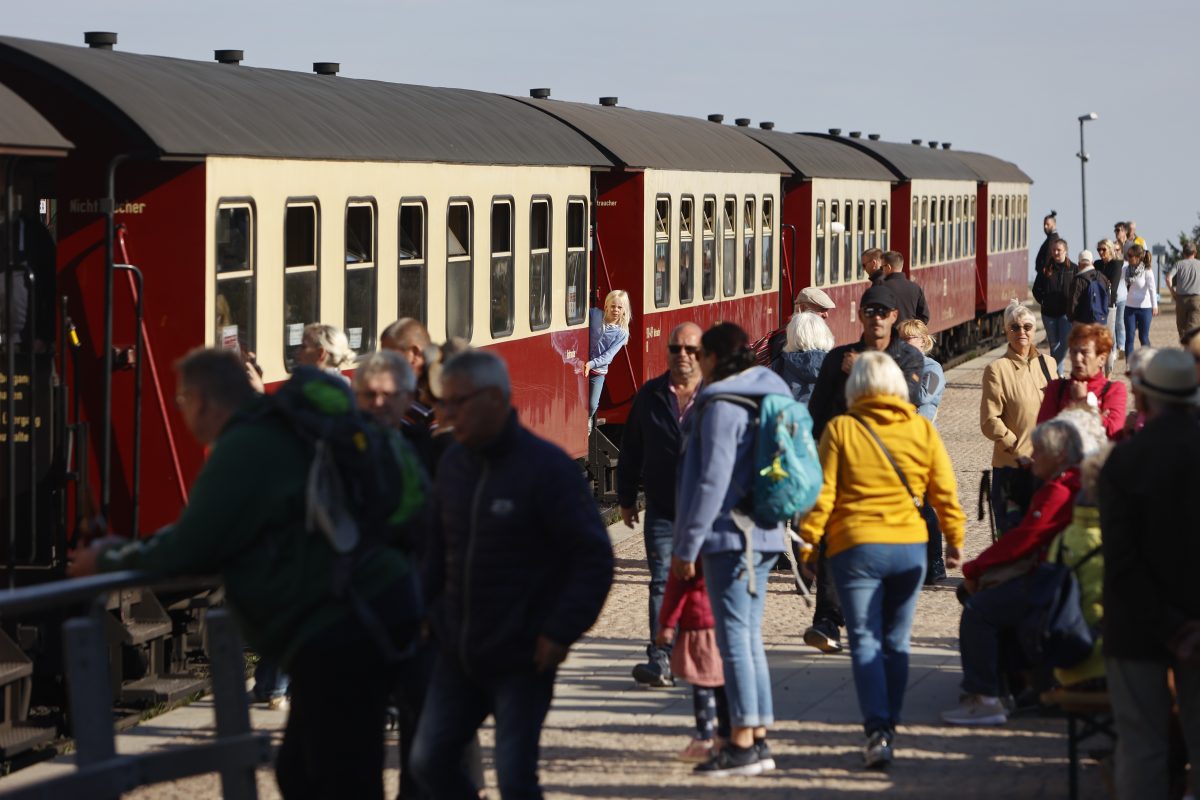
(662, 251)
(708, 250)
(883, 224)
(819, 260)
(835, 242)
(410, 266)
(687, 211)
(234, 301)
(860, 238)
(768, 241)
(359, 312)
(729, 247)
(749, 262)
(502, 278)
(541, 261)
(459, 250)
(848, 240)
(577, 261)
(301, 285)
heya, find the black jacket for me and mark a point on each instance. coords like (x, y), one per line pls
(1052, 288)
(1043, 254)
(518, 550)
(1111, 269)
(650, 447)
(829, 395)
(1151, 524)
(909, 296)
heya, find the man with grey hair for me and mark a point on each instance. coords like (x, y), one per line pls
(1151, 597)
(385, 385)
(1183, 281)
(650, 446)
(518, 569)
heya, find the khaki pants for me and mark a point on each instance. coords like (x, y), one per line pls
(1187, 312)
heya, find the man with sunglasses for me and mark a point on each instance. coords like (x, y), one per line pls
(878, 312)
(650, 448)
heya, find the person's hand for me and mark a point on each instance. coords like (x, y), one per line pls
(953, 557)
(1024, 462)
(665, 637)
(82, 561)
(1079, 391)
(971, 585)
(1154, 313)
(629, 515)
(684, 570)
(587, 368)
(548, 654)
(848, 361)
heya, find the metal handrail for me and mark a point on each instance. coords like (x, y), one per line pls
(74, 591)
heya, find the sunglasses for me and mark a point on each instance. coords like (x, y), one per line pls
(876, 311)
(1017, 327)
(676, 349)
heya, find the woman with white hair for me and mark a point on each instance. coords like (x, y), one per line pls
(1012, 395)
(809, 340)
(879, 459)
(324, 347)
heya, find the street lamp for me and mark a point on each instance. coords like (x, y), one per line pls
(1083, 158)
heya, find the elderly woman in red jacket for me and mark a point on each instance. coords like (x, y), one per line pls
(1088, 349)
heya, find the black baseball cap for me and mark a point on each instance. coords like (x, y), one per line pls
(879, 295)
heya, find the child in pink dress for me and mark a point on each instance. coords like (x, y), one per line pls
(695, 658)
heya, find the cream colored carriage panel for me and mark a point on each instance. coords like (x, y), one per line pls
(826, 191)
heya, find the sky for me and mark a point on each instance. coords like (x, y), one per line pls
(1008, 78)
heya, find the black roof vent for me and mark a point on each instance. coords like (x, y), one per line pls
(767, 126)
(742, 122)
(540, 94)
(917, 142)
(855, 134)
(835, 131)
(608, 102)
(874, 137)
(717, 118)
(100, 40)
(326, 67)
(229, 56)
(945, 145)
(933, 145)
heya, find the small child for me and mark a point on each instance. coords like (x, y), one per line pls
(695, 658)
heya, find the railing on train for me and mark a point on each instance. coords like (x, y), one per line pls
(236, 751)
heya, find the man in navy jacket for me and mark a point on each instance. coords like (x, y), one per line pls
(518, 569)
(650, 448)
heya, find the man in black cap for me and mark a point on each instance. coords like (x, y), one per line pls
(878, 313)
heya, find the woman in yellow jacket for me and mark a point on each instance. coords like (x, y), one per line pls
(876, 535)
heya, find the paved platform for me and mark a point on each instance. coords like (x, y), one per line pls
(607, 738)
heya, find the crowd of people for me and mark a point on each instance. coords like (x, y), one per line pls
(491, 560)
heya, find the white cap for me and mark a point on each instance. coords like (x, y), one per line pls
(1084, 255)
(816, 297)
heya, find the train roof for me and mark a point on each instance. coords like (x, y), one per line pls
(990, 168)
(654, 140)
(909, 161)
(178, 107)
(811, 157)
(24, 130)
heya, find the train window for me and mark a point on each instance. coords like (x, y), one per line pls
(835, 241)
(708, 250)
(1025, 221)
(924, 231)
(410, 267)
(577, 261)
(883, 224)
(301, 295)
(662, 251)
(541, 262)
(1011, 207)
(959, 233)
(943, 231)
(819, 265)
(686, 221)
(502, 277)
(729, 248)
(915, 258)
(749, 262)
(992, 227)
(234, 305)
(459, 249)
(971, 217)
(848, 240)
(359, 313)
(768, 240)
(860, 238)
(872, 228)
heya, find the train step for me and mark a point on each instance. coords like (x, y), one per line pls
(17, 734)
(21, 736)
(155, 690)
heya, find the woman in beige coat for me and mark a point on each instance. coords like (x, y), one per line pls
(1012, 393)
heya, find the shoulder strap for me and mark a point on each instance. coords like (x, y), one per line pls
(888, 455)
(1045, 370)
(1062, 389)
(1104, 391)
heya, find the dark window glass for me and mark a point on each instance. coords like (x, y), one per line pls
(708, 250)
(819, 262)
(924, 231)
(540, 265)
(662, 251)
(768, 240)
(686, 254)
(458, 270)
(301, 295)
(502, 312)
(883, 223)
(234, 304)
(729, 248)
(410, 273)
(915, 244)
(577, 263)
(835, 242)
(872, 227)
(360, 277)
(749, 262)
(848, 240)
(860, 238)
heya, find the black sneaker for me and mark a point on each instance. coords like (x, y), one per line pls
(824, 636)
(764, 754)
(878, 752)
(655, 673)
(732, 760)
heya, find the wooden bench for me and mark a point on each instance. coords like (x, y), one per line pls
(1089, 713)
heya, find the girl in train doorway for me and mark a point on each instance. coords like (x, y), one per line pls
(609, 332)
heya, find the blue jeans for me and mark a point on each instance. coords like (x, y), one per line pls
(456, 705)
(268, 680)
(1057, 331)
(1137, 320)
(595, 386)
(1116, 326)
(658, 533)
(987, 614)
(878, 585)
(738, 615)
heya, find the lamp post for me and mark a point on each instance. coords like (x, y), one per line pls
(1083, 158)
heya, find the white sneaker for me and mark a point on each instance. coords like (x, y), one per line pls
(976, 709)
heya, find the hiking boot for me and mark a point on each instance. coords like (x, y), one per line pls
(732, 760)
(764, 754)
(655, 673)
(976, 709)
(824, 636)
(877, 754)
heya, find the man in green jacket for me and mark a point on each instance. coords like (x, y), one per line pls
(246, 520)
